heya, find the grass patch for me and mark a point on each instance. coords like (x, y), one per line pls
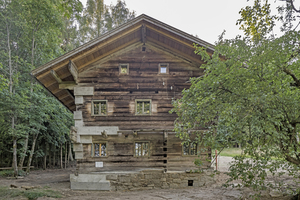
(6, 192)
(230, 152)
(10, 173)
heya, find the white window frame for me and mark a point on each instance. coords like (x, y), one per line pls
(100, 150)
(166, 65)
(100, 114)
(143, 100)
(121, 65)
(141, 142)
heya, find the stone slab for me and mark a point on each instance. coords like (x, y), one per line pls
(97, 130)
(77, 147)
(78, 100)
(77, 115)
(78, 155)
(83, 91)
(90, 186)
(89, 182)
(86, 139)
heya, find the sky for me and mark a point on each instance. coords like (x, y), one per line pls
(205, 18)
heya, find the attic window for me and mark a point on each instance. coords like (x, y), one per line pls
(124, 68)
(163, 68)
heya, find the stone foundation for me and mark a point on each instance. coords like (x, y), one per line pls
(146, 180)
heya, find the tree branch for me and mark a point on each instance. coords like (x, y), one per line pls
(289, 72)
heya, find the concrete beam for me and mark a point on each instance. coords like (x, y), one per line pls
(84, 91)
(77, 115)
(78, 100)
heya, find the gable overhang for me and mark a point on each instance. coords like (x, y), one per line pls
(60, 75)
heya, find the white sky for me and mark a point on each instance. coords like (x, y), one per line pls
(205, 18)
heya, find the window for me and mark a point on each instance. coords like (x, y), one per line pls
(189, 149)
(99, 150)
(99, 108)
(143, 107)
(163, 68)
(141, 148)
(124, 68)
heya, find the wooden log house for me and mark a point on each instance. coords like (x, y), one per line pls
(120, 87)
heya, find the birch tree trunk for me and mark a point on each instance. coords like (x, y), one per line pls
(66, 154)
(54, 153)
(15, 165)
(45, 156)
(61, 157)
(23, 155)
(70, 152)
(31, 153)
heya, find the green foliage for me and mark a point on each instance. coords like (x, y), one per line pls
(250, 95)
(30, 194)
(33, 32)
(10, 173)
(257, 21)
(99, 18)
(198, 162)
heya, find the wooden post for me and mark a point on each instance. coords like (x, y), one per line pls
(216, 152)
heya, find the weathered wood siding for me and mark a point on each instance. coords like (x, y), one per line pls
(121, 91)
(120, 153)
(121, 157)
(143, 82)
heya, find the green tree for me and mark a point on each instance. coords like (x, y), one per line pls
(250, 94)
(29, 37)
(99, 18)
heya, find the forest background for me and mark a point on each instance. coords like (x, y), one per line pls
(34, 126)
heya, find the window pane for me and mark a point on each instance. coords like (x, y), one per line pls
(139, 107)
(193, 149)
(103, 108)
(163, 69)
(145, 149)
(96, 108)
(124, 69)
(185, 149)
(147, 107)
(141, 149)
(103, 149)
(96, 150)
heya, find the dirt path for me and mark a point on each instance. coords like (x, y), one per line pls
(58, 179)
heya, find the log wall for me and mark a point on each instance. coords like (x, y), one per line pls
(142, 82)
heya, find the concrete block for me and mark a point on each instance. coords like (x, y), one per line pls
(86, 139)
(90, 186)
(77, 115)
(97, 130)
(89, 182)
(78, 100)
(79, 123)
(77, 147)
(88, 177)
(83, 91)
(78, 155)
